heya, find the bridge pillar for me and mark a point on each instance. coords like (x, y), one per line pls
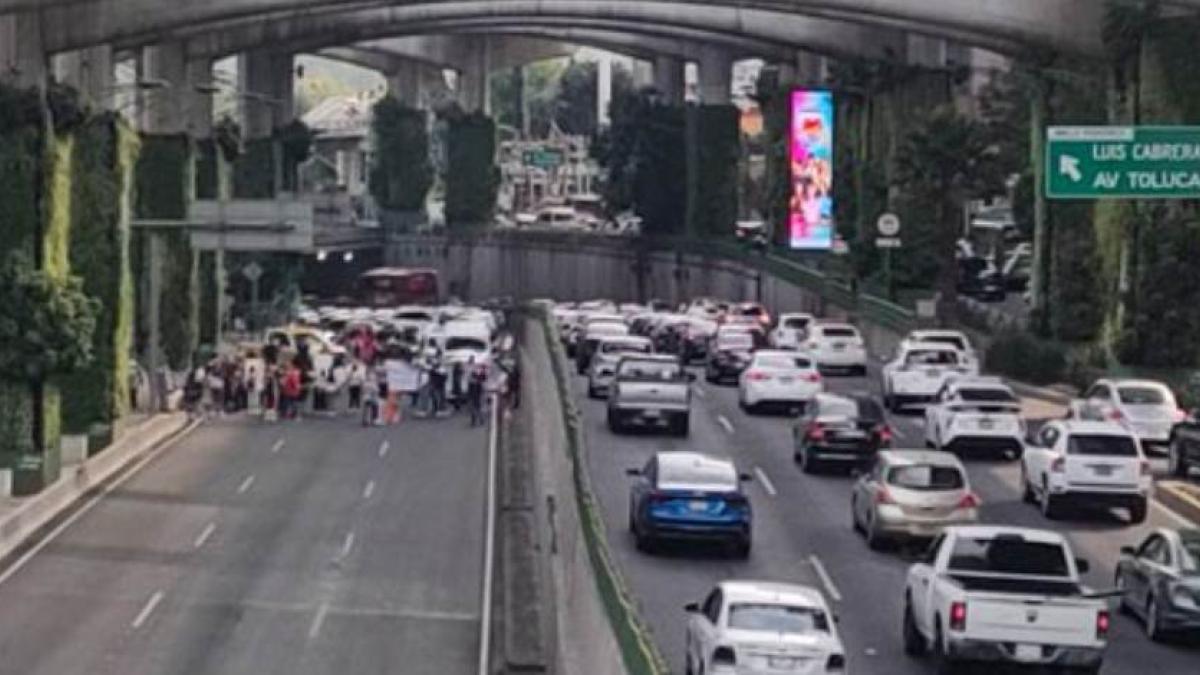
(716, 75)
(668, 79)
(198, 105)
(23, 59)
(405, 83)
(474, 92)
(266, 97)
(162, 106)
(90, 72)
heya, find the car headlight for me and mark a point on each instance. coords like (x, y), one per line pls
(1184, 597)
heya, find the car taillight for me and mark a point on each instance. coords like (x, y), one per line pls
(835, 663)
(816, 432)
(1115, 414)
(657, 497)
(1145, 468)
(813, 377)
(1178, 416)
(969, 501)
(1102, 624)
(758, 376)
(1058, 465)
(724, 656)
(882, 496)
(958, 616)
(885, 434)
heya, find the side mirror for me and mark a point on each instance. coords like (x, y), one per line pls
(744, 477)
(692, 607)
(1129, 551)
(1082, 565)
(633, 472)
(837, 618)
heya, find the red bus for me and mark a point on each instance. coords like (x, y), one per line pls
(386, 287)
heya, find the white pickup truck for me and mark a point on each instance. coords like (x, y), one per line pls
(1004, 595)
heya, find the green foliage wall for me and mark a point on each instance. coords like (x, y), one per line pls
(164, 182)
(644, 154)
(401, 173)
(102, 172)
(207, 275)
(1076, 283)
(208, 170)
(713, 202)
(472, 177)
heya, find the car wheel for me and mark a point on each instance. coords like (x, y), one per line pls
(741, 549)
(643, 542)
(1153, 629)
(808, 463)
(860, 371)
(614, 423)
(592, 392)
(680, 426)
(1122, 601)
(1176, 464)
(1137, 511)
(943, 664)
(854, 524)
(1050, 506)
(914, 642)
(1027, 494)
(688, 669)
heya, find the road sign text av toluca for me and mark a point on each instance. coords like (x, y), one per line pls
(1123, 162)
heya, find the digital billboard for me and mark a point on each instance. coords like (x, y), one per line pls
(810, 208)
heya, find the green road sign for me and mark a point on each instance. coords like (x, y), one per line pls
(543, 158)
(1123, 162)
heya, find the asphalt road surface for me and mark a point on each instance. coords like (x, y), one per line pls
(313, 547)
(803, 534)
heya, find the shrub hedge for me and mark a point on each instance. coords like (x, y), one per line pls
(712, 189)
(472, 177)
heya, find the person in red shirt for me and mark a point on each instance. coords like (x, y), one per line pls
(291, 391)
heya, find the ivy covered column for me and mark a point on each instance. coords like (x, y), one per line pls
(713, 149)
(472, 176)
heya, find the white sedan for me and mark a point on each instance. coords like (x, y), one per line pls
(746, 627)
(1145, 407)
(837, 345)
(783, 378)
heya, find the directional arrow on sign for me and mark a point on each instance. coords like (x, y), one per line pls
(1069, 167)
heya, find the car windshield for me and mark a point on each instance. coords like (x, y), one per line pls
(1008, 554)
(473, 344)
(931, 357)
(839, 332)
(798, 323)
(787, 619)
(718, 475)
(987, 395)
(1190, 561)
(782, 362)
(625, 348)
(1101, 445)
(838, 407)
(925, 477)
(753, 311)
(655, 371)
(1142, 395)
(951, 340)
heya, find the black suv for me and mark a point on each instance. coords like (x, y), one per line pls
(1184, 453)
(845, 430)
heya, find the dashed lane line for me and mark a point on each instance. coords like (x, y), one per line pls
(368, 489)
(314, 628)
(204, 535)
(249, 480)
(826, 580)
(766, 482)
(725, 423)
(147, 610)
(383, 448)
(277, 446)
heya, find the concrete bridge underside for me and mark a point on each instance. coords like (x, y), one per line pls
(1072, 25)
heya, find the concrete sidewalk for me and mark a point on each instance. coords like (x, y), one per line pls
(22, 517)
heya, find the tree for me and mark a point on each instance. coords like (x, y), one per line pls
(575, 105)
(46, 328)
(944, 161)
(401, 173)
(472, 177)
(643, 155)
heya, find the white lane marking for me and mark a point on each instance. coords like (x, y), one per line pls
(826, 580)
(368, 489)
(88, 506)
(147, 609)
(1170, 513)
(766, 482)
(278, 446)
(700, 392)
(725, 423)
(347, 544)
(314, 628)
(246, 484)
(204, 535)
(383, 448)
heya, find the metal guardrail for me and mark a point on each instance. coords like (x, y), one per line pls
(489, 542)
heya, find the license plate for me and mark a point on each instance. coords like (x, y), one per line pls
(985, 423)
(839, 346)
(654, 414)
(781, 662)
(698, 505)
(1028, 653)
(933, 372)
(787, 380)
(1102, 469)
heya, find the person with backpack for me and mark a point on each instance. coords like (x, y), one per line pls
(476, 384)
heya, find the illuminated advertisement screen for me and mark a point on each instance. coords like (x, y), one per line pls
(810, 209)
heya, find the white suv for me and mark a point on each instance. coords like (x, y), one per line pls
(837, 345)
(975, 414)
(1087, 463)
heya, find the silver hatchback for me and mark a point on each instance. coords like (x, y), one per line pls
(912, 494)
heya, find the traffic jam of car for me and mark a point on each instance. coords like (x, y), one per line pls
(928, 458)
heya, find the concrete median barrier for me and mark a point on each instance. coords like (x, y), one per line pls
(597, 623)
